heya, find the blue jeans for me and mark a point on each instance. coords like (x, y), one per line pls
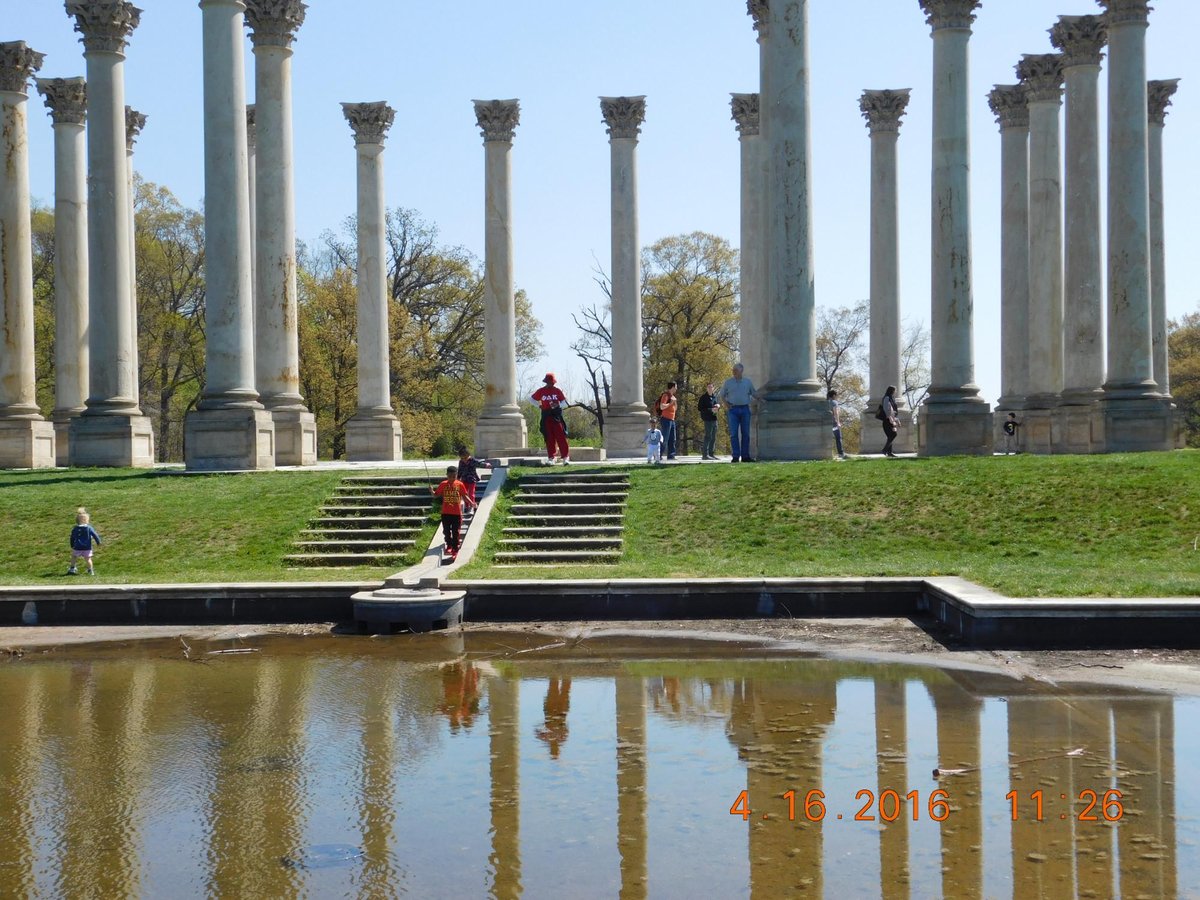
(710, 437)
(837, 436)
(667, 427)
(738, 419)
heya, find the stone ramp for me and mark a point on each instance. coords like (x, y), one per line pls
(566, 517)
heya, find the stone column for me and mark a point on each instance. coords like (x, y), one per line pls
(1041, 74)
(111, 431)
(273, 25)
(1160, 94)
(373, 433)
(954, 418)
(793, 421)
(1008, 103)
(229, 430)
(628, 417)
(501, 425)
(883, 111)
(1081, 40)
(746, 113)
(134, 123)
(252, 178)
(66, 98)
(1135, 416)
(26, 439)
(755, 345)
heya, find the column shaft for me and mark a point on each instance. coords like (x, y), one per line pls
(755, 349)
(955, 418)
(134, 123)
(752, 280)
(1160, 93)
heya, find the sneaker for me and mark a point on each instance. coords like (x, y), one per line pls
(735, 459)
(747, 459)
(72, 571)
(566, 461)
(90, 572)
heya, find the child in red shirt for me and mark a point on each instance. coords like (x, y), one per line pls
(551, 400)
(454, 494)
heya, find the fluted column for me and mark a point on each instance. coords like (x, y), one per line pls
(66, 98)
(1009, 104)
(501, 425)
(373, 433)
(954, 418)
(628, 416)
(252, 179)
(746, 113)
(229, 428)
(111, 431)
(1160, 94)
(1081, 40)
(883, 111)
(134, 123)
(26, 439)
(793, 421)
(273, 25)
(1135, 415)
(632, 818)
(1041, 74)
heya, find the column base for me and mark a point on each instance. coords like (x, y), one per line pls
(374, 439)
(62, 419)
(623, 433)
(954, 428)
(237, 439)
(794, 428)
(1075, 429)
(497, 430)
(1004, 406)
(1180, 429)
(1135, 425)
(1038, 431)
(871, 432)
(112, 441)
(295, 437)
(27, 444)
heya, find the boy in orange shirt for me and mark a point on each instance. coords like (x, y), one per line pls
(454, 494)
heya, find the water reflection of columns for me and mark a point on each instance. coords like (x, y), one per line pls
(21, 754)
(1091, 728)
(505, 734)
(958, 747)
(631, 786)
(378, 758)
(1145, 742)
(891, 750)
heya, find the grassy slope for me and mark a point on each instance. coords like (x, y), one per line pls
(161, 527)
(1123, 525)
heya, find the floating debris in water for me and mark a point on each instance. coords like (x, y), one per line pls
(324, 856)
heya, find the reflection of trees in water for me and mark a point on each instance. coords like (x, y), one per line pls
(707, 701)
(553, 732)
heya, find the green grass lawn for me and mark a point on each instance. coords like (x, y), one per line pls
(163, 526)
(1119, 525)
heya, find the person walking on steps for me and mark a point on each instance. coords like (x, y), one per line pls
(554, 429)
(468, 470)
(736, 393)
(454, 496)
(836, 411)
(891, 421)
(666, 407)
(83, 536)
(709, 406)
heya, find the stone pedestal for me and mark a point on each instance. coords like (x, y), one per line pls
(374, 440)
(1135, 425)
(118, 441)
(628, 418)
(872, 431)
(1076, 428)
(295, 437)
(26, 444)
(501, 424)
(1037, 430)
(229, 440)
(794, 428)
(955, 419)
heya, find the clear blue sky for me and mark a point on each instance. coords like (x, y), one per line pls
(430, 59)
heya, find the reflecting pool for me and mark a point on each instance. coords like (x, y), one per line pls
(507, 765)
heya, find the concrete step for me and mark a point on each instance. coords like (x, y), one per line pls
(357, 545)
(564, 530)
(580, 499)
(535, 518)
(342, 559)
(343, 509)
(382, 499)
(550, 487)
(562, 543)
(341, 521)
(537, 557)
(573, 476)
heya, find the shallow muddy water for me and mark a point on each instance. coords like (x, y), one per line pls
(508, 765)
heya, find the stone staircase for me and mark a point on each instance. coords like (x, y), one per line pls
(566, 517)
(371, 520)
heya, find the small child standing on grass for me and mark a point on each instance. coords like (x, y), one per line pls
(653, 441)
(468, 471)
(83, 535)
(454, 494)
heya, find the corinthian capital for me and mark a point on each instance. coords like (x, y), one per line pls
(1080, 38)
(760, 12)
(1160, 94)
(1010, 105)
(134, 123)
(17, 65)
(949, 13)
(498, 119)
(274, 23)
(883, 109)
(623, 116)
(745, 113)
(1127, 12)
(370, 121)
(1042, 75)
(105, 24)
(66, 98)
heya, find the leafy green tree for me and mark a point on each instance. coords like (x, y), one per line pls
(1183, 337)
(842, 363)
